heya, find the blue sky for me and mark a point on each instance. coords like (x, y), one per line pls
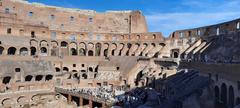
(164, 16)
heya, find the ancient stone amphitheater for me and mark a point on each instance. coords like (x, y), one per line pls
(52, 57)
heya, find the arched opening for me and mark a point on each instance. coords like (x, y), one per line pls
(84, 76)
(238, 101)
(175, 55)
(64, 44)
(224, 94)
(113, 52)
(90, 69)
(24, 51)
(216, 91)
(82, 52)
(48, 77)
(90, 53)
(96, 69)
(105, 52)
(11, 51)
(33, 51)
(57, 69)
(6, 80)
(98, 49)
(129, 47)
(44, 51)
(73, 51)
(39, 78)
(138, 78)
(65, 69)
(28, 78)
(231, 97)
(1, 50)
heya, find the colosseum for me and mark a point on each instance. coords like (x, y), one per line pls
(54, 57)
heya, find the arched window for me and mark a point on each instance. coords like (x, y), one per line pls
(57, 69)
(24, 51)
(33, 51)
(9, 31)
(28, 78)
(48, 77)
(43, 50)
(231, 97)
(1, 50)
(84, 76)
(39, 77)
(106, 52)
(71, 18)
(64, 44)
(216, 90)
(90, 53)
(73, 51)
(98, 49)
(11, 51)
(65, 69)
(82, 52)
(90, 69)
(6, 80)
(224, 93)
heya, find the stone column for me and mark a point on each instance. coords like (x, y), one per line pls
(80, 102)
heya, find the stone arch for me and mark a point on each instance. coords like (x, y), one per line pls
(73, 49)
(12, 51)
(231, 97)
(64, 48)
(1, 50)
(64, 44)
(23, 51)
(129, 45)
(22, 99)
(33, 51)
(57, 69)
(33, 42)
(54, 48)
(65, 69)
(84, 76)
(43, 43)
(138, 77)
(90, 53)
(217, 92)
(106, 48)
(175, 53)
(82, 50)
(7, 101)
(48, 77)
(39, 78)
(44, 51)
(224, 93)
(121, 46)
(144, 46)
(98, 47)
(113, 49)
(6, 80)
(28, 78)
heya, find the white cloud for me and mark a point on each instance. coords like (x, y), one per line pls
(169, 22)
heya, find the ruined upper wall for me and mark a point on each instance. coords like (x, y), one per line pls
(65, 19)
(207, 31)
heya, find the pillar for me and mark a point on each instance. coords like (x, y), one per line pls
(69, 98)
(80, 101)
